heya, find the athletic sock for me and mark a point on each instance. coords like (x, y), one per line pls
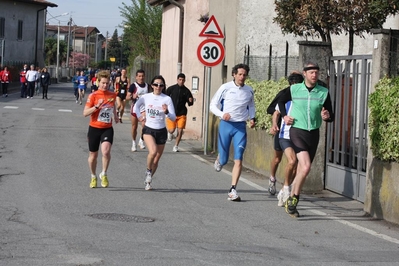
(272, 179)
(232, 187)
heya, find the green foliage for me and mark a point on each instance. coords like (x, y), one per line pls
(321, 18)
(383, 120)
(265, 91)
(114, 47)
(142, 29)
(50, 49)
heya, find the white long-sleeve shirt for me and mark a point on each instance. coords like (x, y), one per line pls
(154, 114)
(31, 75)
(235, 100)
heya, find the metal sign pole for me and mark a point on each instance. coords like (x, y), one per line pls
(207, 102)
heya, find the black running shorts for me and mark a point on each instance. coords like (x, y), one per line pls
(160, 135)
(96, 136)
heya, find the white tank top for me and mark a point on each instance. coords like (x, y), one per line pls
(141, 90)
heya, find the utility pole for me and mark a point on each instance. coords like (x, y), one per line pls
(58, 53)
(69, 40)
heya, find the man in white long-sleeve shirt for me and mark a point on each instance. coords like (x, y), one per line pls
(31, 77)
(234, 104)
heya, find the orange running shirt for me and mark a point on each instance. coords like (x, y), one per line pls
(102, 118)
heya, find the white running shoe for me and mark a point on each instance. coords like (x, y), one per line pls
(175, 148)
(148, 186)
(141, 144)
(134, 148)
(280, 198)
(148, 180)
(233, 196)
(218, 166)
(170, 136)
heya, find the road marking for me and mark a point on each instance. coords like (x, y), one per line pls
(11, 107)
(65, 110)
(38, 109)
(334, 218)
(355, 226)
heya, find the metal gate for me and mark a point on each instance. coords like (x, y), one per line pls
(346, 158)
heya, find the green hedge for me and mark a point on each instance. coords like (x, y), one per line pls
(265, 91)
(384, 120)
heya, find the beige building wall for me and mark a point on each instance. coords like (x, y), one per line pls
(191, 66)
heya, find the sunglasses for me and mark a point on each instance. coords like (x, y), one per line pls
(158, 85)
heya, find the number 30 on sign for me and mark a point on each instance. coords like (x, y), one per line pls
(210, 52)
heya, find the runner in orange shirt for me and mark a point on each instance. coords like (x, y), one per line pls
(100, 106)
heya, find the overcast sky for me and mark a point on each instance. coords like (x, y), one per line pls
(103, 14)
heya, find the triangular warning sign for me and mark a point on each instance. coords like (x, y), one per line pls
(212, 29)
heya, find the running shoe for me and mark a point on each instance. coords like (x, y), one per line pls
(93, 183)
(134, 148)
(104, 180)
(272, 187)
(77, 101)
(175, 148)
(141, 144)
(233, 196)
(218, 166)
(148, 180)
(280, 202)
(290, 207)
(170, 136)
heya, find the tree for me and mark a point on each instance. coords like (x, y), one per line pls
(142, 29)
(50, 49)
(321, 18)
(78, 60)
(114, 46)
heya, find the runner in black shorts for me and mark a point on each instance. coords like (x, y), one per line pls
(100, 107)
(157, 106)
(121, 85)
(311, 105)
(293, 78)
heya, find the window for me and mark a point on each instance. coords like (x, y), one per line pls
(2, 27)
(20, 25)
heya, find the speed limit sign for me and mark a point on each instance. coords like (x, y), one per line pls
(210, 52)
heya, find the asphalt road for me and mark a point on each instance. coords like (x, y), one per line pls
(50, 216)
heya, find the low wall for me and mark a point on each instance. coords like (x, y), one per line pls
(382, 190)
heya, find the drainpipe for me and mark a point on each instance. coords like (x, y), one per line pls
(181, 27)
(37, 29)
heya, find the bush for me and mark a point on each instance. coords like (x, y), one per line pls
(265, 91)
(383, 121)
